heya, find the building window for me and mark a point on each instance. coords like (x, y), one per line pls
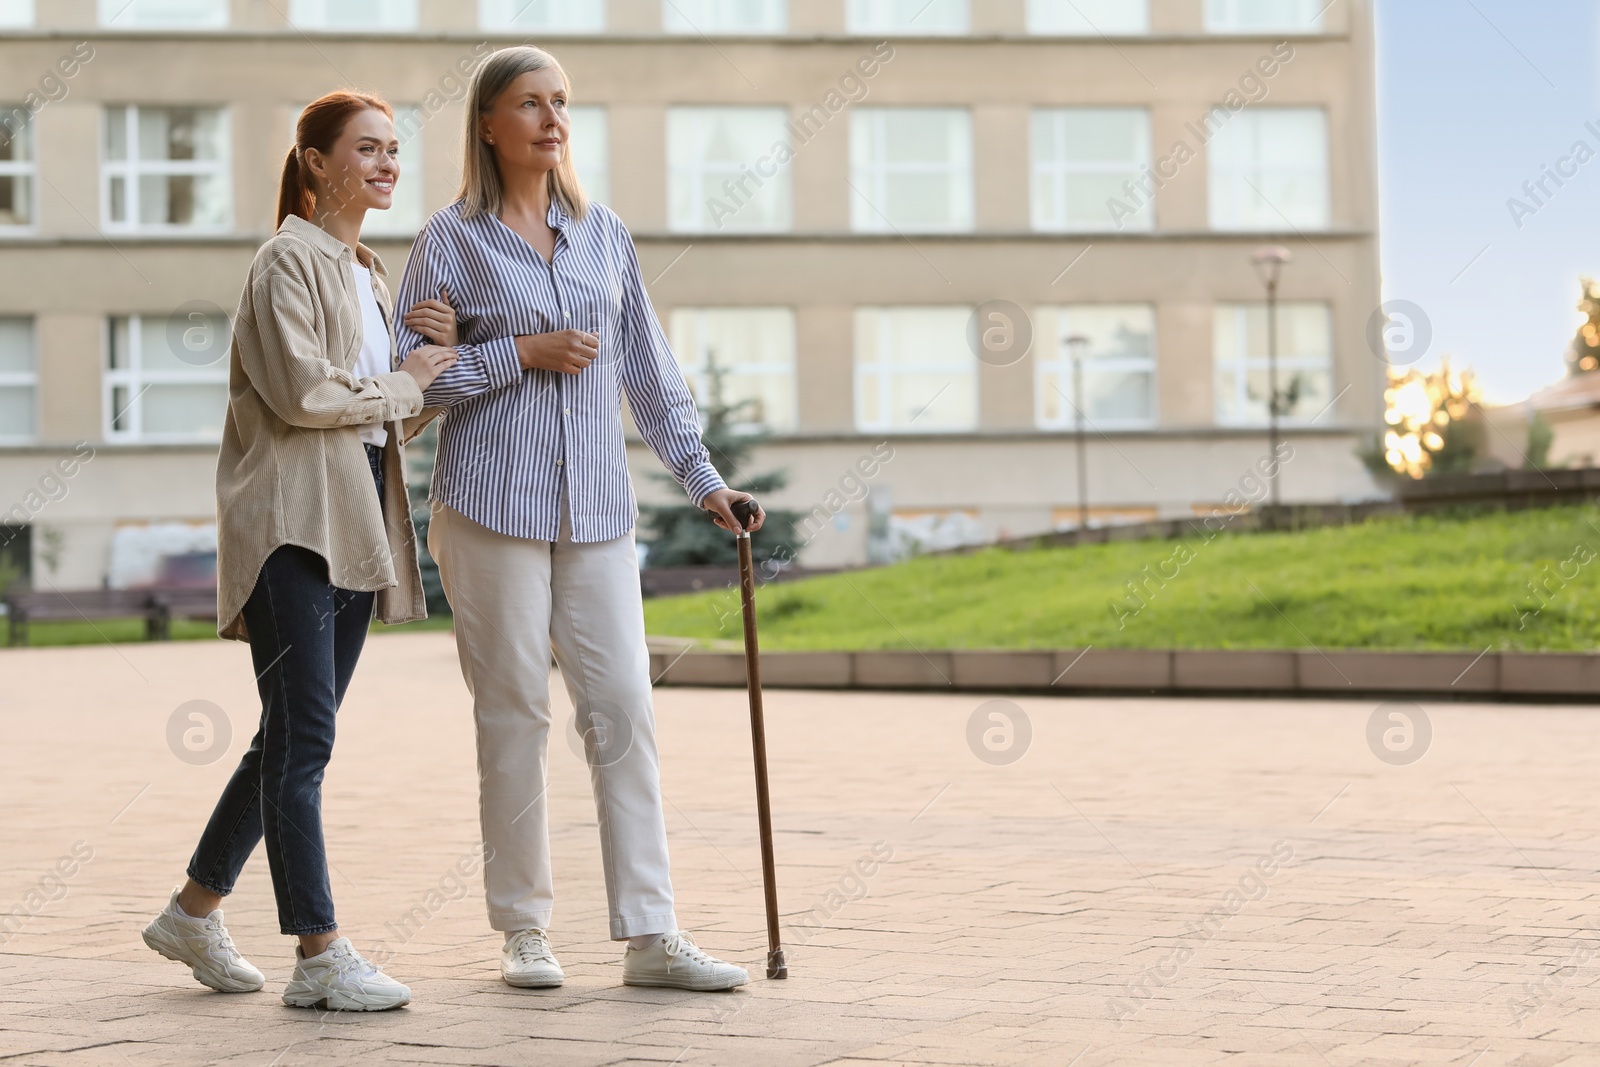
(725, 16)
(165, 169)
(1119, 366)
(911, 169)
(354, 14)
(1269, 170)
(591, 148)
(1251, 16)
(164, 14)
(728, 169)
(753, 349)
(908, 16)
(546, 16)
(16, 14)
(166, 379)
(1089, 18)
(914, 371)
(1083, 159)
(1305, 362)
(19, 382)
(17, 167)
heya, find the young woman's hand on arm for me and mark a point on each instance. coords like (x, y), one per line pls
(434, 319)
(428, 362)
(290, 370)
(430, 293)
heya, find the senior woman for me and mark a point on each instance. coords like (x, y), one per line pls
(533, 512)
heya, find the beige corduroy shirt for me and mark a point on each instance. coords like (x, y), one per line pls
(293, 470)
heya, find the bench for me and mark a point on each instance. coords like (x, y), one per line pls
(157, 607)
(180, 603)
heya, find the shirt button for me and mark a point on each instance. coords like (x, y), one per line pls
(566, 411)
(569, 314)
(561, 462)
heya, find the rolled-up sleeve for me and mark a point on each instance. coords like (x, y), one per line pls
(662, 406)
(480, 368)
(291, 372)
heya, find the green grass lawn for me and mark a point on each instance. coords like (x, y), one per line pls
(1393, 583)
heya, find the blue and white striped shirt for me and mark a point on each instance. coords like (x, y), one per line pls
(508, 434)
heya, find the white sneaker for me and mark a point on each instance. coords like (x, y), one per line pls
(528, 963)
(205, 946)
(677, 962)
(341, 979)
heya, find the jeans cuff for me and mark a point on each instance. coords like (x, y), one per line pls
(206, 885)
(325, 928)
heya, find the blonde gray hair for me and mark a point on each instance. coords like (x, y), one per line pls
(482, 191)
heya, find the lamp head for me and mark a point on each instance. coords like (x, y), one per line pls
(1270, 261)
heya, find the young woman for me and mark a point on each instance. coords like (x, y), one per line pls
(313, 528)
(533, 511)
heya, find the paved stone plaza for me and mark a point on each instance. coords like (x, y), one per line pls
(1153, 881)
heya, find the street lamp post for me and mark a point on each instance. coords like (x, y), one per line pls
(1269, 263)
(1076, 343)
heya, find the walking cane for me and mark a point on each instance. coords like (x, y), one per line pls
(744, 511)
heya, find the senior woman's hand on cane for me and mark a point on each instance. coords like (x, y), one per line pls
(720, 503)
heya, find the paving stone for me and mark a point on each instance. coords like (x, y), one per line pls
(1089, 903)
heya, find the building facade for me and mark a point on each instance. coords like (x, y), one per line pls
(925, 242)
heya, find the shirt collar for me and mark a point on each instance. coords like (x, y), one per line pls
(331, 246)
(556, 216)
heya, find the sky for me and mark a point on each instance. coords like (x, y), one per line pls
(1476, 97)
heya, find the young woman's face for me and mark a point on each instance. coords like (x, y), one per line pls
(361, 168)
(527, 126)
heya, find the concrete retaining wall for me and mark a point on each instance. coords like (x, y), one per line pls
(1438, 675)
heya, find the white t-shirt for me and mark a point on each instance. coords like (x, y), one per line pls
(374, 357)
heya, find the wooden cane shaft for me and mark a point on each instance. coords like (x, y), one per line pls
(758, 738)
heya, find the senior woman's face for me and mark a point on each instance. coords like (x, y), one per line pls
(528, 125)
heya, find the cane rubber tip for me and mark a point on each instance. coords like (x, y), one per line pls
(776, 967)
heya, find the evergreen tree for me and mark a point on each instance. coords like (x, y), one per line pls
(680, 535)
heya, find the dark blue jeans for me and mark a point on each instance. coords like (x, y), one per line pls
(305, 638)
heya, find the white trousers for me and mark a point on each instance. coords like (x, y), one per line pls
(515, 602)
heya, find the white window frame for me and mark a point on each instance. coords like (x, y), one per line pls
(870, 211)
(714, 17)
(881, 319)
(1054, 361)
(16, 14)
(135, 379)
(694, 363)
(1051, 176)
(398, 16)
(593, 146)
(27, 379)
(1242, 363)
(884, 17)
(124, 15)
(27, 169)
(705, 180)
(1223, 16)
(132, 169)
(1233, 205)
(498, 16)
(1045, 19)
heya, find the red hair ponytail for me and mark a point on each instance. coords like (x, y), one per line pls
(319, 127)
